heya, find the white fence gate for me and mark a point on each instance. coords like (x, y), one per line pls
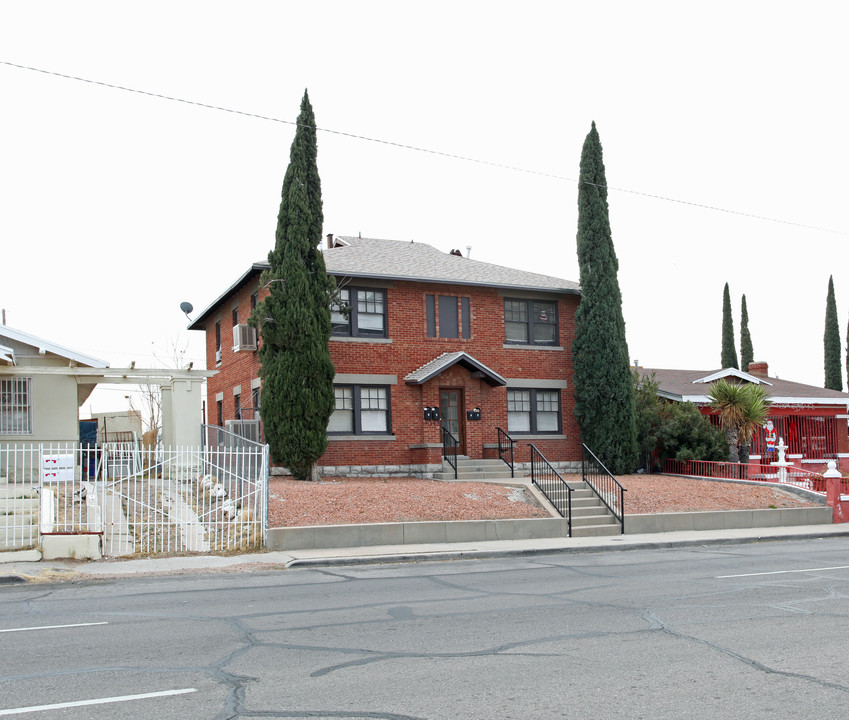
(141, 501)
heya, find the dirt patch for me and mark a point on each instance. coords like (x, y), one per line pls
(344, 501)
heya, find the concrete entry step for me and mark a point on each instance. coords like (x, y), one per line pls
(594, 530)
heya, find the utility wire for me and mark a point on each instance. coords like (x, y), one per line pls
(429, 151)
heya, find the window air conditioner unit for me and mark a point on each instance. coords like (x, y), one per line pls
(248, 429)
(244, 338)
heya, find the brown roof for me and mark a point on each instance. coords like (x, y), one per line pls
(682, 385)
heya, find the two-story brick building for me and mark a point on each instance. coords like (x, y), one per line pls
(429, 339)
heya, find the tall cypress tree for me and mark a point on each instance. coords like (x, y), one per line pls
(604, 391)
(729, 352)
(294, 319)
(747, 352)
(831, 342)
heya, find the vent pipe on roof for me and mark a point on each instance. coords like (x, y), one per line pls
(468, 251)
(3, 319)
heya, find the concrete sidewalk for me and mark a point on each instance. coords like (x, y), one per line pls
(21, 568)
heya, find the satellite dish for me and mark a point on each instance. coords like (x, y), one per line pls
(186, 307)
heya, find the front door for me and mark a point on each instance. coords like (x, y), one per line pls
(453, 415)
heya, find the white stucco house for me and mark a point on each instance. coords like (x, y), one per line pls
(40, 394)
(43, 385)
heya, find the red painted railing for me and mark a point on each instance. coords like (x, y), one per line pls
(755, 473)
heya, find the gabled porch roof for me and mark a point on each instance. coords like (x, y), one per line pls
(441, 363)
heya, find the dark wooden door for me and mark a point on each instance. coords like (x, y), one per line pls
(452, 411)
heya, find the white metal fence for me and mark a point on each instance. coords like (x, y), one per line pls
(142, 501)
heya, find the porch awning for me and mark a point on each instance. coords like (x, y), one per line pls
(446, 360)
(7, 355)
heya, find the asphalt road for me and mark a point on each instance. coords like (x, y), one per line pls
(734, 631)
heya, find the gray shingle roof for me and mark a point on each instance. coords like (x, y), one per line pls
(445, 361)
(398, 259)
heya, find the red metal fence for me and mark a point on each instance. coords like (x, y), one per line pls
(810, 436)
(756, 473)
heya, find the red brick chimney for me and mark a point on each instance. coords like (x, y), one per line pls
(759, 369)
(330, 242)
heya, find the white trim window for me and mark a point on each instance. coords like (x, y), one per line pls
(16, 406)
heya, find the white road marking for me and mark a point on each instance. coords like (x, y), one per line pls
(52, 627)
(98, 701)
(784, 572)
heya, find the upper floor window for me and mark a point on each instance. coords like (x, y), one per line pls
(533, 411)
(16, 406)
(360, 410)
(452, 320)
(235, 316)
(359, 312)
(530, 322)
(254, 299)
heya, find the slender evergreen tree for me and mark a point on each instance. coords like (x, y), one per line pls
(729, 352)
(294, 319)
(831, 342)
(747, 352)
(604, 391)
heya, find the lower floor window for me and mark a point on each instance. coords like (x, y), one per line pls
(360, 410)
(533, 411)
(16, 406)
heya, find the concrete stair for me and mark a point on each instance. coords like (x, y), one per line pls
(475, 470)
(590, 516)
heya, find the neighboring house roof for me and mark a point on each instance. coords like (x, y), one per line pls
(446, 360)
(357, 257)
(7, 355)
(691, 386)
(49, 347)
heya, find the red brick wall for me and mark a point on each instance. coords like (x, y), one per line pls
(410, 349)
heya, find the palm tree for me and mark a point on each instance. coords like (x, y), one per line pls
(742, 409)
(754, 413)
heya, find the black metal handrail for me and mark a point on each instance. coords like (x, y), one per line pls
(602, 483)
(552, 485)
(505, 446)
(449, 449)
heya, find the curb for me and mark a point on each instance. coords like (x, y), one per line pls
(306, 563)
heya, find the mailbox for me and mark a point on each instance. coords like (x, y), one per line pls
(428, 413)
(435, 413)
(473, 414)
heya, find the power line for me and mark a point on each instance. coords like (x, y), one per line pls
(416, 148)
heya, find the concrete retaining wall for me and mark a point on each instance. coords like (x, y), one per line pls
(727, 520)
(413, 533)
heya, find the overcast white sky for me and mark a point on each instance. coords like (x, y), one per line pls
(117, 206)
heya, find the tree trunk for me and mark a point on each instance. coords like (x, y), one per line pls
(731, 439)
(313, 474)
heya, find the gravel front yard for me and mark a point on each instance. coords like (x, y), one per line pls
(339, 501)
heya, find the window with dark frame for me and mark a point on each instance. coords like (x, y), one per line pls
(254, 299)
(360, 410)
(359, 312)
(235, 316)
(237, 407)
(533, 411)
(453, 319)
(530, 322)
(218, 337)
(220, 405)
(255, 397)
